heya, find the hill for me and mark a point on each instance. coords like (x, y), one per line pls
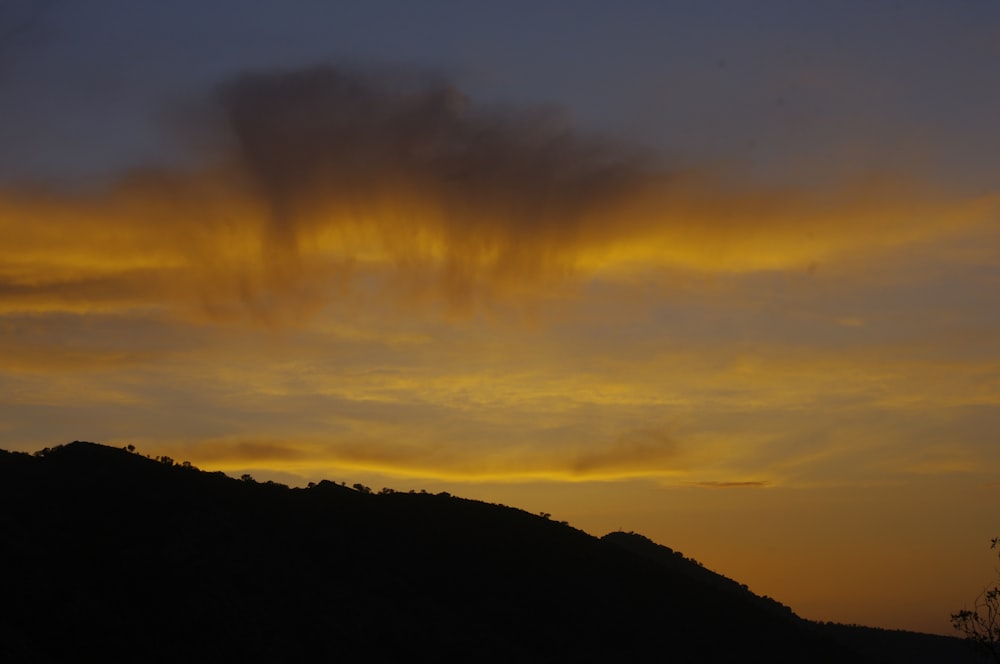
(110, 555)
(880, 645)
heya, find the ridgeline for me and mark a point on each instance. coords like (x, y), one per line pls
(109, 555)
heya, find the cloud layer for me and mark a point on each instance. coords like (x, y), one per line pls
(681, 325)
(326, 183)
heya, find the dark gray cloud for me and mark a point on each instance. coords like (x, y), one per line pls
(331, 138)
(634, 451)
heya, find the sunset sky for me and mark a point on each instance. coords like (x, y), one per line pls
(726, 274)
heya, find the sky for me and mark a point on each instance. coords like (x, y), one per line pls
(722, 273)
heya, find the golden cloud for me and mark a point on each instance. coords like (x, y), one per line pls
(333, 182)
(634, 453)
(752, 484)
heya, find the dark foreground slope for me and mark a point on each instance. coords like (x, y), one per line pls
(110, 555)
(879, 645)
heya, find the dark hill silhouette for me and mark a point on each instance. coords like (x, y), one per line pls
(108, 555)
(881, 645)
(674, 560)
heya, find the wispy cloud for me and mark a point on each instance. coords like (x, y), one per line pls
(633, 454)
(733, 485)
(624, 316)
(327, 183)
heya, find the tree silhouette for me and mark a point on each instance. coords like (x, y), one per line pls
(981, 624)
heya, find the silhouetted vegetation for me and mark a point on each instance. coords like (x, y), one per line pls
(981, 624)
(109, 555)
